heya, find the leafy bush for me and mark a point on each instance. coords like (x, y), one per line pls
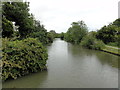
(7, 27)
(50, 37)
(62, 36)
(116, 44)
(92, 43)
(22, 57)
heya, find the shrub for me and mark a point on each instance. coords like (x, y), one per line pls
(92, 43)
(116, 44)
(22, 57)
(98, 45)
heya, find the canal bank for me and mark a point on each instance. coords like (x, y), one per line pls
(70, 66)
(111, 50)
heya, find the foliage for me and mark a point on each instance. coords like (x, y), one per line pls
(51, 35)
(92, 43)
(18, 12)
(41, 34)
(107, 34)
(58, 35)
(7, 28)
(23, 53)
(115, 44)
(111, 50)
(117, 22)
(110, 33)
(93, 34)
(22, 57)
(76, 32)
(62, 36)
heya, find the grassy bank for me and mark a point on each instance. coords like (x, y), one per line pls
(112, 50)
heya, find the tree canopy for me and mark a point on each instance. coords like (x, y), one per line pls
(18, 12)
(109, 33)
(76, 32)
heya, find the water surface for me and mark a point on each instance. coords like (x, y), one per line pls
(70, 66)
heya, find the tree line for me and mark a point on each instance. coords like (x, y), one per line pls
(24, 41)
(78, 33)
(25, 23)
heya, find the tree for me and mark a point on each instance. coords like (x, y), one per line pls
(39, 32)
(18, 12)
(108, 33)
(62, 36)
(7, 27)
(76, 32)
(117, 22)
(51, 35)
(91, 42)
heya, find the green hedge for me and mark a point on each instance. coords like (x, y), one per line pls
(22, 57)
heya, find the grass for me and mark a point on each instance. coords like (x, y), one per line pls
(111, 50)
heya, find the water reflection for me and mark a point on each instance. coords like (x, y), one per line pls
(104, 58)
(99, 67)
(30, 81)
(70, 66)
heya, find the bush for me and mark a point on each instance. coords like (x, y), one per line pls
(92, 43)
(116, 44)
(50, 37)
(98, 45)
(7, 27)
(22, 57)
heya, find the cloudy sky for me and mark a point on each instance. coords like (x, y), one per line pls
(59, 14)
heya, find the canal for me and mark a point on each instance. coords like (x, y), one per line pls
(70, 66)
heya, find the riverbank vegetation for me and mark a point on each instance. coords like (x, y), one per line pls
(110, 34)
(107, 35)
(22, 57)
(24, 41)
(92, 43)
(76, 32)
(112, 50)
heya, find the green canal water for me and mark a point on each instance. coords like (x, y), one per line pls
(70, 66)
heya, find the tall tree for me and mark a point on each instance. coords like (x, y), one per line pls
(109, 33)
(7, 27)
(18, 12)
(39, 32)
(76, 32)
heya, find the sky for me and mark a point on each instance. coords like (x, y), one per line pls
(59, 14)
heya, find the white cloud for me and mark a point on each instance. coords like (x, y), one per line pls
(59, 14)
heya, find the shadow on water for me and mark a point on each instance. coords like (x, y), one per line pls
(33, 80)
(103, 57)
(76, 50)
(106, 58)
